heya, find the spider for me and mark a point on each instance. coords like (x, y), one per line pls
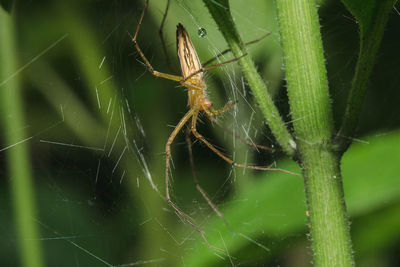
(192, 78)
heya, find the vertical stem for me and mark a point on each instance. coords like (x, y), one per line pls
(313, 125)
(19, 169)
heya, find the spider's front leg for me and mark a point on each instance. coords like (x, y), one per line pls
(149, 67)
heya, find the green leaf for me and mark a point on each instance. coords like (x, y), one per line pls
(272, 209)
(376, 231)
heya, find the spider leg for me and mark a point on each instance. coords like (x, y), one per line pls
(171, 138)
(227, 159)
(146, 61)
(196, 182)
(240, 138)
(211, 113)
(229, 50)
(215, 112)
(205, 68)
(164, 46)
(211, 67)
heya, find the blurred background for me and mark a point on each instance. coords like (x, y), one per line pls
(84, 128)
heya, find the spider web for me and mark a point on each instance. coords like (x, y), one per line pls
(98, 122)
(110, 166)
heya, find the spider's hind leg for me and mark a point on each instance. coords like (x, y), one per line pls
(171, 138)
(196, 182)
(225, 158)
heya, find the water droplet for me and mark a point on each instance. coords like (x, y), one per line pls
(202, 32)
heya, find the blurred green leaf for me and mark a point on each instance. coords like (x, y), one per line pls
(274, 206)
(370, 177)
(376, 231)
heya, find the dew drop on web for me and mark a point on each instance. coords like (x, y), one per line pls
(202, 32)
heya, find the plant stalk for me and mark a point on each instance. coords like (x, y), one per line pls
(16, 141)
(313, 126)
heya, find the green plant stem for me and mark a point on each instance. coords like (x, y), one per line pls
(371, 37)
(220, 11)
(312, 120)
(19, 169)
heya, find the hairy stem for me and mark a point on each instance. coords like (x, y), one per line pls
(313, 125)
